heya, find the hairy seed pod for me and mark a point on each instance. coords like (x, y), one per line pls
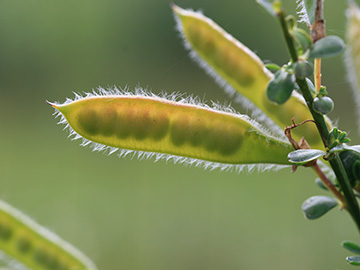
(353, 52)
(35, 247)
(236, 67)
(154, 124)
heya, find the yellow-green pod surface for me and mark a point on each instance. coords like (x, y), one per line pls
(353, 51)
(222, 55)
(33, 246)
(161, 126)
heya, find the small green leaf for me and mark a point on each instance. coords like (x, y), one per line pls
(317, 206)
(311, 85)
(291, 22)
(351, 246)
(353, 260)
(327, 47)
(354, 148)
(273, 67)
(271, 6)
(303, 69)
(323, 105)
(302, 38)
(280, 87)
(303, 156)
(320, 184)
(337, 149)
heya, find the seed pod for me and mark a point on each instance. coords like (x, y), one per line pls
(323, 105)
(280, 87)
(237, 68)
(25, 239)
(352, 58)
(154, 124)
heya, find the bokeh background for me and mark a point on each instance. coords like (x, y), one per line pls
(131, 214)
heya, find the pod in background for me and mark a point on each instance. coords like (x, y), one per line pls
(352, 58)
(35, 247)
(237, 68)
(167, 128)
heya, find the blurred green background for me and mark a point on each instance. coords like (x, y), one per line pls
(131, 214)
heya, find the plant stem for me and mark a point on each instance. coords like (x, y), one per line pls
(317, 74)
(329, 185)
(288, 38)
(336, 164)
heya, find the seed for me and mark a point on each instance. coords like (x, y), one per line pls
(5, 231)
(89, 120)
(23, 244)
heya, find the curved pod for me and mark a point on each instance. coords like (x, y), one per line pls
(34, 246)
(233, 64)
(158, 125)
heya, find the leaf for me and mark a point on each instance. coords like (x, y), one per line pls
(303, 156)
(268, 6)
(302, 39)
(317, 206)
(327, 47)
(354, 148)
(353, 260)
(351, 246)
(165, 128)
(236, 68)
(280, 87)
(321, 184)
(273, 67)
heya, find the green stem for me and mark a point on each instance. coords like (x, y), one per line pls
(336, 164)
(289, 40)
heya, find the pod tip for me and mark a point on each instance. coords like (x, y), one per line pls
(50, 103)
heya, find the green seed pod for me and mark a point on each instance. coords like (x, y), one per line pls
(237, 68)
(303, 69)
(280, 87)
(35, 247)
(157, 125)
(352, 58)
(323, 105)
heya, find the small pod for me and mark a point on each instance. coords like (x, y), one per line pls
(154, 124)
(236, 67)
(23, 240)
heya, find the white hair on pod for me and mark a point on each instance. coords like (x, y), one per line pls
(174, 97)
(303, 15)
(256, 113)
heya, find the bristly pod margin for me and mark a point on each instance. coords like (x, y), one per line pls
(242, 74)
(28, 245)
(171, 127)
